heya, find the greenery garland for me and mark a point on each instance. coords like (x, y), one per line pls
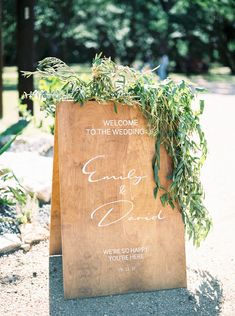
(168, 109)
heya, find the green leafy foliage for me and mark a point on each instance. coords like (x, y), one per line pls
(168, 109)
(10, 195)
(12, 132)
(11, 191)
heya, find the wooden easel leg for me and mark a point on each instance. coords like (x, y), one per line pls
(55, 223)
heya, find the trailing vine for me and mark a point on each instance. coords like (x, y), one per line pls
(168, 108)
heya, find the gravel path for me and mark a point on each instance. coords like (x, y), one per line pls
(27, 289)
(30, 284)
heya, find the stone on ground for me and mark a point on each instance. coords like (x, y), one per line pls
(9, 242)
(33, 233)
(32, 170)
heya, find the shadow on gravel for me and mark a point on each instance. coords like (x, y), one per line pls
(206, 300)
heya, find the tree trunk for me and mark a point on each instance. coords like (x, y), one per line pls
(25, 47)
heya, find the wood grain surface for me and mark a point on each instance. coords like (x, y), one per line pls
(55, 221)
(116, 237)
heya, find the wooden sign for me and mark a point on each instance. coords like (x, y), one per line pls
(114, 236)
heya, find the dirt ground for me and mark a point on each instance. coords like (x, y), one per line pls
(31, 283)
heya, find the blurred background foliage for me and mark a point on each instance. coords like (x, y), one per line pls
(194, 34)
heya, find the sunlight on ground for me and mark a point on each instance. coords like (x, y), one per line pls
(10, 111)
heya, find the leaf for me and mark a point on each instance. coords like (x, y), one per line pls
(156, 178)
(154, 161)
(157, 147)
(8, 144)
(170, 176)
(115, 107)
(200, 89)
(164, 198)
(181, 84)
(171, 203)
(155, 192)
(202, 105)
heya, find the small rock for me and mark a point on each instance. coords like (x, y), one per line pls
(33, 233)
(9, 242)
(28, 166)
(40, 143)
(8, 225)
(34, 274)
(191, 298)
(25, 247)
(43, 215)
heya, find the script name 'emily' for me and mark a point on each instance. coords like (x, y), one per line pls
(92, 173)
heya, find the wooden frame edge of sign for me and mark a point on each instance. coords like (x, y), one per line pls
(55, 247)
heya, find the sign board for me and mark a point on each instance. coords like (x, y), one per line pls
(114, 236)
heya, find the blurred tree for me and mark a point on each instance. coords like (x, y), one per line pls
(1, 62)
(223, 35)
(25, 47)
(192, 33)
(9, 31)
